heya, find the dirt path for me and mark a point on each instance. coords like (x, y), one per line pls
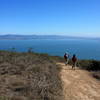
(78, 84)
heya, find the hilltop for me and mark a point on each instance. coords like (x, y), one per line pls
(33, 76)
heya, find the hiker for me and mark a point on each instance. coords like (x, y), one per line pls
(74, 60)
(66, 57)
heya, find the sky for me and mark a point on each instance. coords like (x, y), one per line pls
(50, 17)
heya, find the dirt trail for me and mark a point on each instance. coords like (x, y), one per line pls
(78, 84)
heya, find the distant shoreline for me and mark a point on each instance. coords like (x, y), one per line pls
(29, 37)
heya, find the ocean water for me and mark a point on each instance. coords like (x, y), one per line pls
(83, 48)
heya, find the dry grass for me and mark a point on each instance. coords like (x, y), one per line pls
(29, 76)
(33, 76)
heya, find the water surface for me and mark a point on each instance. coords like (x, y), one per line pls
(83, 48)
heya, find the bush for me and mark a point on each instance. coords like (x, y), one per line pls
(91, 65)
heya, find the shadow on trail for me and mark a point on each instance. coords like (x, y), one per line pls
(67, 67)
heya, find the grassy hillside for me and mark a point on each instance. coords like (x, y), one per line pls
(33, 76)
(29, 76)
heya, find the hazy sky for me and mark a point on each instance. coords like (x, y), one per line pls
(58, 17)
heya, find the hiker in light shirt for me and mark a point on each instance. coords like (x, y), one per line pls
(66, 57)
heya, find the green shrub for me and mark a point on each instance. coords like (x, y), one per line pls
(91, 65)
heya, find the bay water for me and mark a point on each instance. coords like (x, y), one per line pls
(83, 48)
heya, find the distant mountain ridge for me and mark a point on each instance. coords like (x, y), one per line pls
(41, 37)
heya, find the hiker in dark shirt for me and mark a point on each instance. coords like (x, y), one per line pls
(66, 57)
(74, 60)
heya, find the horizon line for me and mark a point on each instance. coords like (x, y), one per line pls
(53, 35)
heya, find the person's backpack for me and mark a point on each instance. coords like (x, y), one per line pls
(65, 56)
(74, 59)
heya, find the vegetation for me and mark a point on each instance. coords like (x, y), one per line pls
(90, 65)
(33, 76)
(29, 76)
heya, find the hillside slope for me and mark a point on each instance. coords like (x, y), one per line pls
(29, 76)
(33, 76)
(78, 84)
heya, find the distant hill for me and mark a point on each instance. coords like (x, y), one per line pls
(41, 37)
